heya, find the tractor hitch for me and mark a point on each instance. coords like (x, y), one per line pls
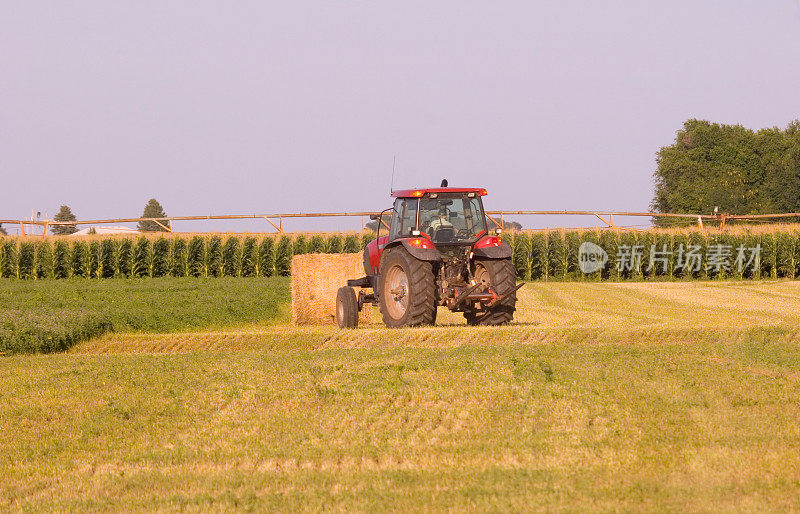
(502, 298)
(464, 296)
(362, 282)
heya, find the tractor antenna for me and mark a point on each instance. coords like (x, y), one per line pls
(391, 185)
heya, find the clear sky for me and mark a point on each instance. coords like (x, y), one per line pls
(262, 107)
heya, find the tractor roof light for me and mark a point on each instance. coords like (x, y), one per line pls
(417, 193)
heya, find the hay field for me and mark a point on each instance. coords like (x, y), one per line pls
(664, 396)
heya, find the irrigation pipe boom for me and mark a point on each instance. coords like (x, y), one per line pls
(607, 217)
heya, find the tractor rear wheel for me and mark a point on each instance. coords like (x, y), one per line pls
(346, 308)
(407, 290)
(501, 276)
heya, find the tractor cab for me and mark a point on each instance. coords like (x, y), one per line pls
(450, 217)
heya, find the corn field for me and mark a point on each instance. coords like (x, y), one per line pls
(178, 255)
(767, 252)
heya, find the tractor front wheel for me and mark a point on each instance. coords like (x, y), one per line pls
(407, 290)
(501, 276)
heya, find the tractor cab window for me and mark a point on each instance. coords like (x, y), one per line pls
(452, 218)
(404, 218)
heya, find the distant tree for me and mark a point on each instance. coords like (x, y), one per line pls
(512, 225)
(64, 214)
(738, 170)
(153, 209)
(2, 230)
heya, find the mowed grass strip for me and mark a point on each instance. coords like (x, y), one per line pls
(562, 426)
(580, 313)
(157, 305)
(46, 316)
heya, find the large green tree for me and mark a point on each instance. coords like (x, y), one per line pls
(153, 209)
(64, 214)
(728, 166)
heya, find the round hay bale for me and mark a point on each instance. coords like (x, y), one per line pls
(316, 277)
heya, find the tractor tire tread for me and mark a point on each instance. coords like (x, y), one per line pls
(346, 296)
(504, 279)
(422, 287)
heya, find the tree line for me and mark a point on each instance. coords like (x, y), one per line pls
(152, 209)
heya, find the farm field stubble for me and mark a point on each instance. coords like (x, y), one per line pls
(669, 396)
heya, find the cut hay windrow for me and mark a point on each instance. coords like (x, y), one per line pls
(655, 254)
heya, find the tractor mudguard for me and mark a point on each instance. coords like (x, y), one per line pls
(493, 252)
(423, 254)
(367, 264)
(372, 255)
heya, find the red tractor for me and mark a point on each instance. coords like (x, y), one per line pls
(438, 252)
